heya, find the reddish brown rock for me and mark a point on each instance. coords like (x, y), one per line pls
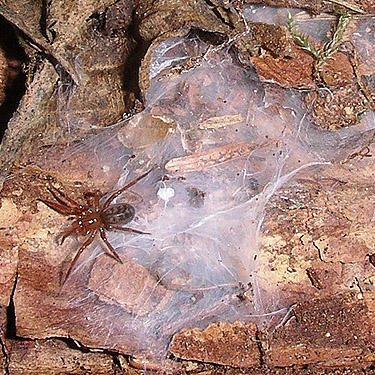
(324, 276)
(109, 280)
(330, 332)
(40, 358)
(286, 71)
(230, 344)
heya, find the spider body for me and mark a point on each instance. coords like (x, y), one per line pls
(94, 218)
(86, 222)
(119, 213)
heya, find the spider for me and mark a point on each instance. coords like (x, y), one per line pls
(94, 218)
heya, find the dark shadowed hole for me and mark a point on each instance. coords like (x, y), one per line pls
(11, 321)
(16, 82)
(11, 316)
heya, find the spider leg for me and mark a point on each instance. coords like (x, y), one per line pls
(120, 191)
(87, 242)
(97, 196)
(113, 252)
(58, 195)
(62, 209)
(66, 233)
(117, 227)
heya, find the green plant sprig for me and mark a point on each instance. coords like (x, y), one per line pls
(338, 35)
(301, 39)
(330, 47)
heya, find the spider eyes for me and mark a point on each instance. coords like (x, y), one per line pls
(87, 212)
(85, 221)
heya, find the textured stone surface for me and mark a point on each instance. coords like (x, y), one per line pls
(229, 344)
(293, 71)
(45, 357)
(331, 332)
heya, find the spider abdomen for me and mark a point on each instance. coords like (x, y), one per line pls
(119, 213)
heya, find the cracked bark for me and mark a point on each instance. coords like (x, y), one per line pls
(3, 359)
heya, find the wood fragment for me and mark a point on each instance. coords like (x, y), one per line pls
(213, 157)
(221, 121)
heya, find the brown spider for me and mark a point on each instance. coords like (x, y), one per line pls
(94, 217)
